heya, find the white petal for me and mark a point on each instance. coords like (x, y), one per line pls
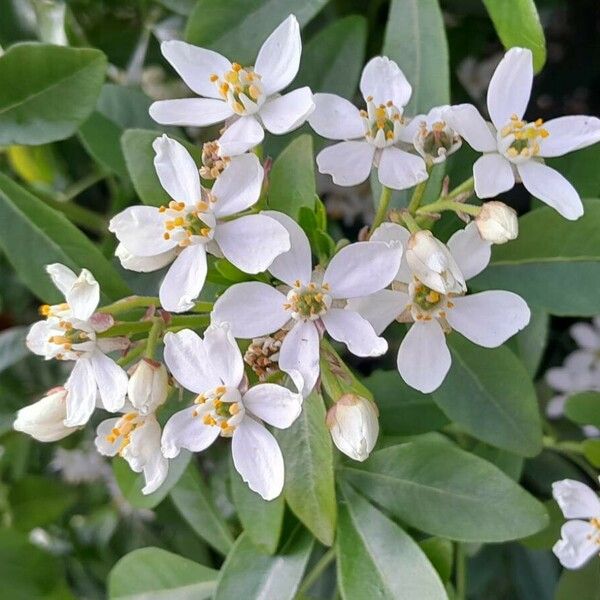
(144, 264)
(400, 170)
(84, 296)
(348, 163)
(556, 406)
(176, 170)
(585, 335)
(81, 393)
(383, 79)
(392, 232)
(191, 112)
(470, 251)
(423, 357)
(380, 308)
(568, 134)
(493, 175)
(257, 458)
(195, 66)
(184, 279)
(577, 544)
(111, 380)
(347, 326)
(576, 500)
(295, 264)
(560, 379)
(274, 404)
(362, 268)
(44, 420)
(300, 352)
(62, 277)
(510, 87)
(37, 337)
(251, 308)
(489, 318)
(101, 442)
(278, 59)
(551, 187)
(285, 113)
(252, 242)
(242, 135)
(189, 361)
(466, 120)
(335, 118)
(225, 356)
(183, 430)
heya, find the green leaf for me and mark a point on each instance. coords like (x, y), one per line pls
(12, 346)
(440, 553)
(153, 573)
(47, 91)
(546, 538)
(447, 492)
(33, 235)
(238, 28)
(490, 406)
(580, 169)
(584, 408)
(554, 263)
(260, 519)
(248, 573)
(308, 456)
(416, 39)
(192, 499)
(530, 343)
(583, 584)
(292, 178)
(509, 463)
(517, 23)
(591, 451)
(377, 559)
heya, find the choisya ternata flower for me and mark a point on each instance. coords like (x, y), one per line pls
(371, 136)
(213, 368)
(249, 96)
(487, 318)
(195, 222)
(310, 302)
(513, 148)
(69, 333)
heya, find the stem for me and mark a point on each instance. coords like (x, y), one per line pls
(410, 222)
(382, 207)
(132, 354)
(125, 328)
(316, 572)
(203, 307)
(417, 197)
(461, 573)
(468, 185)
(192, 321)
(441, 205)
(153, 337)
(129, 303)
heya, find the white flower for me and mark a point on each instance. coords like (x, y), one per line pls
(497, 223)
(514, 148)
(148, 386)
(354, 425)
(135, 437)
(580, 539)
(69, 333)
(371, 136)
(213, 368)
(249, 96)
(195, 222)
(488, 318)
(44, 419)
(310, 301)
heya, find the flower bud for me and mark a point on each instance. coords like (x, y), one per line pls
(431, 262)
(497, 223)
(44, 420)
(148, 385)
(354, 425)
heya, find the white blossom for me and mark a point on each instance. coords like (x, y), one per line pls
(497, 223)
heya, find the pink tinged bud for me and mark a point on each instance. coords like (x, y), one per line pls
(497, 223)
(44, 420)
(148, 385)
(101, 321)
(354, 425)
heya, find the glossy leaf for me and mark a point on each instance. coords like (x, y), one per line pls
(530, 343)
(584, 408)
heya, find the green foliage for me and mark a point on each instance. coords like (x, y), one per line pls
(584, 408)
(583, 584)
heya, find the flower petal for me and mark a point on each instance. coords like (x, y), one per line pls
(392, 232)
(348, 163)
(81, 393)
(258, 459)
(585, 335)
(551, 187)
(399, 169)
(183, 430)
(278, 59)
(466, 120)
(191, 112)
(184, 279)
(242, 135)
(144, 264)
(362, 268)
(196, 65)
(380, 308)
(144, 453)
(285, 113)
(335, 118)
(568, 134)
(576, 500)
(225, 356)
(489, 318)
(383, 79)
(111, 380)
(62, 277)
(251, 308)
(300, 352)
(84, 296)
(423, 357)
(274, 404)
(510, 87)
(493, 175)
(347, 326)
(103, 432)
(577, 544)
(470, 251)
(37, 337)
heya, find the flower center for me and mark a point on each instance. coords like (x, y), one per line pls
(221, 407)
(212, 163)
(125, 426)
(308, 301)
(188, 225)
(436, 143)
(595, 537)
(382, 123)
(63, 333)
(262, 355)
(520, 140)
(427, 304)
(241, 88)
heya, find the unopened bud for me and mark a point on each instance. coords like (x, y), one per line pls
(354, 425)
(497, 223)
(44, 420)
(148, 386)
